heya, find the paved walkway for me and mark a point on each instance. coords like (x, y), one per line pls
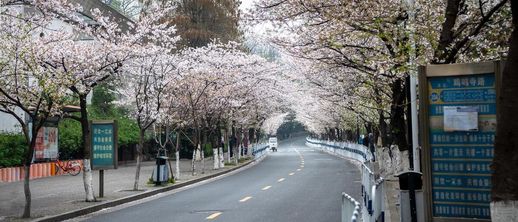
(60, 194)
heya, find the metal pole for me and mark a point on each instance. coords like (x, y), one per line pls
(413, 108)
(413, 82)
(101, 183)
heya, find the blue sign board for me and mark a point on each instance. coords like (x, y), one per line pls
(104, 145)
(460, 160)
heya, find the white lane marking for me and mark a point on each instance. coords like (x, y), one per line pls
(245, 199)
(298, 169)
(291, 174)
(280, 180)
(301, 166)
(267, 187)
(213, 216)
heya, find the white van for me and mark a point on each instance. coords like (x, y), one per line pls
(273, 143)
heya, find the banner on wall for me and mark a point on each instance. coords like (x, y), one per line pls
(46, 146)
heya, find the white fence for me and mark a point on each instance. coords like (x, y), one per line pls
(372, 188)
(350, 208)
(345, 149)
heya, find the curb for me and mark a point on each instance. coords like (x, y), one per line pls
(123, 200)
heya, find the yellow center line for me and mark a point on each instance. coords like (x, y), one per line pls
(291, 174)
(267, 187)
(245, 199)
(280, 180)
(213, 216)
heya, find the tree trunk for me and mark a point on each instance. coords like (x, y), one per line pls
(193, 165)
(239, 146)
(215, 146)
(504, 191)
(177, 155)
(446, 38)
(383, 129)
(397, 114)
(27, 191)
(204, 143)
(87, 168)
(140, 147)
(221, 158)
(226, 141)
(27, 167)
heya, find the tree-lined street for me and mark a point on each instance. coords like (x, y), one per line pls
(425, 85)
(296, 183)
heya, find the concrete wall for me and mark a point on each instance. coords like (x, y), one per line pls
(8, 124)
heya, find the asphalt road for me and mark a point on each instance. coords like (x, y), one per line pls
(296, 183)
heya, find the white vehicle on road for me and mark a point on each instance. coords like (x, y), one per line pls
(273, 143)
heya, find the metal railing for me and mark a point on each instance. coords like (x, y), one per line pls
(259, 150)
(350, 208)
(346, 149)
(372, 189)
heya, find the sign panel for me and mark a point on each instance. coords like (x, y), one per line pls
(460, 123)
(46, 146)
(104, 145)
(460, 118)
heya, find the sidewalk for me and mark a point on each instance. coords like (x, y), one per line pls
(61, 194)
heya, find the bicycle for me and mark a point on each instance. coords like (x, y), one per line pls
(72, 167)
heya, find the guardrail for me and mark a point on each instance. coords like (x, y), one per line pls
(372, 190)
(350, 208)
(259, 150)
(346, 149)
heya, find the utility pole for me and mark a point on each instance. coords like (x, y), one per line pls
(414, 158)
(415, 162)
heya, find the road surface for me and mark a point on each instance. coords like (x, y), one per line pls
(296, 183)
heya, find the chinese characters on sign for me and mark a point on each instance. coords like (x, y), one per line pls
(104, 145)
(462, 115)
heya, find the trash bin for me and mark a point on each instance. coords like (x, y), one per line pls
(410, 178)
(160, 173)
(411, 181)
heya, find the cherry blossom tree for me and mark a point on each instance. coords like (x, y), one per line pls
(364, 47)
(218, 86)
(97, 57)
(29, 91)
(143, 83)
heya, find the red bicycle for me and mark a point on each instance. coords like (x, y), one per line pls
(72, 167)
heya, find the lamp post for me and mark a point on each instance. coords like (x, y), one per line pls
(414, 158)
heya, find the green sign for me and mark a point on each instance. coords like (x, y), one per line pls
(104, 144)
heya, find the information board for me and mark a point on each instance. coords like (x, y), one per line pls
(460, 125)
(104, 144)
(46, 146)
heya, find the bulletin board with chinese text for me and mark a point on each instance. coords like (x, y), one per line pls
(458, 124)
(104, 145)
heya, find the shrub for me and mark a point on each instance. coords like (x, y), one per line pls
(12, 149)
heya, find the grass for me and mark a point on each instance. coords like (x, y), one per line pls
(244, 159)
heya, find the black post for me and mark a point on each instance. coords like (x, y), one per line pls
(157, 182)
(411, 185)
(101, 183)
(358, 128)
